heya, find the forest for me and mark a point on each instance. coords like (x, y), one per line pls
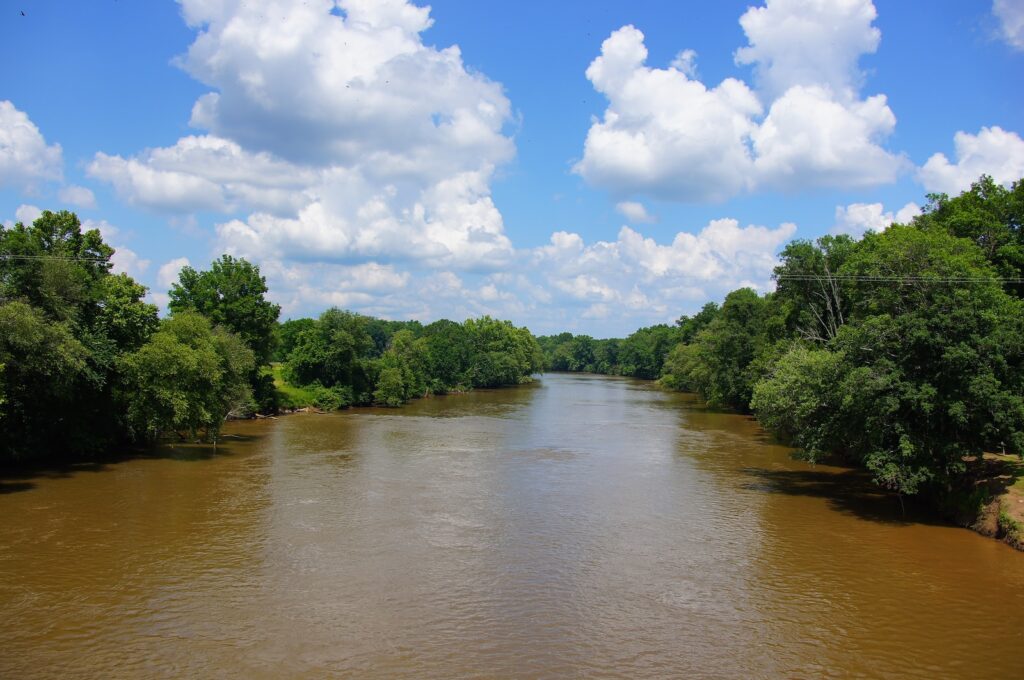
(86, 364)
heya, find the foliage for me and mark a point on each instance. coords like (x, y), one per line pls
(287, 334)
(722, 363)
(903, 352)
(342, 350)
(230, 294)
(64, 322)
(187, 377)
(989, 215)
(641, 355)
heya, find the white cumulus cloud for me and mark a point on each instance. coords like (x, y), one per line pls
(332, 134)
(128, 261)
(668, 135)
(993, 151)
(808, 42)
(25, 157)
(27, 213)
(645, 281)
(857, 218)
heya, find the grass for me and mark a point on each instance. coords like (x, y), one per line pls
(289, 396)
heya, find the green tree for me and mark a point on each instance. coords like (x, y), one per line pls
(722, 367)
(68, 320)
(288, 334)
(186, 378)
(230, 294)
(45, 370)
(989, 215)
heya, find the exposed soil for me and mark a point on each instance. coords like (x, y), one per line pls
(1002, 515)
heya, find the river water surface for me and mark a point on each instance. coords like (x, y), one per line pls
(580, 526)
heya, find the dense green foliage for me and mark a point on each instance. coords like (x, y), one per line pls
(641, 355)
(347, 358)
(903, 352)
(86, 363)
(187, 377)
(231, 293)
(65, 321)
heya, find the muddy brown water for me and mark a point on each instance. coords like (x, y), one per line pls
(583, 526)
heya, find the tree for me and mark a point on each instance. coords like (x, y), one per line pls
(45, 369)
(334, 351)
(186, 378)
(67, 320)
(989, 215)
(230, 294)
(722, 365)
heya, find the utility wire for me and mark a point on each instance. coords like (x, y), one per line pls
(70, 258)
(895, 279)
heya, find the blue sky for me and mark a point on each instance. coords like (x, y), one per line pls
(525, 160)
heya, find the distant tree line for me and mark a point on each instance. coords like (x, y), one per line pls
(348, 358)
(86, 364)
(641, 355)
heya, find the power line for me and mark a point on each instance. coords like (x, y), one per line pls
(873, 278)
(70, 258)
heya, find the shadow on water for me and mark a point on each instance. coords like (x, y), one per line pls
(14, 487)
(850, 492)
(19, 476)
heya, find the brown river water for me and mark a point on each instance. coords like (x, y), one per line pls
(582, 526)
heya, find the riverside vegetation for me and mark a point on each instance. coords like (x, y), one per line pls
(86, 364)
(901, 353)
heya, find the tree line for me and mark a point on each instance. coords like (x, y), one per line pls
(87, 364)
(902, 353)
(641, 355)
(350, 359)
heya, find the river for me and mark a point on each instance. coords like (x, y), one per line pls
(582, 526)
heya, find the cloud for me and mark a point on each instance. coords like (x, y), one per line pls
(857, 218)
(808, 43)
(686, 63)
(77, 196)
(25, 157)
(315, 87)
(666, 134)
(27, 214)
(108, 231)
(333, 134)
(128, 261)
(205, 173)
(811, 138)
(634, 212)
(993, 151)
(644, 281)
(1010, 14)
(454, 223)
(167, 274)
(604, 287)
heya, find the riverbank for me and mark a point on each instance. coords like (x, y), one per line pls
(998, 496)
